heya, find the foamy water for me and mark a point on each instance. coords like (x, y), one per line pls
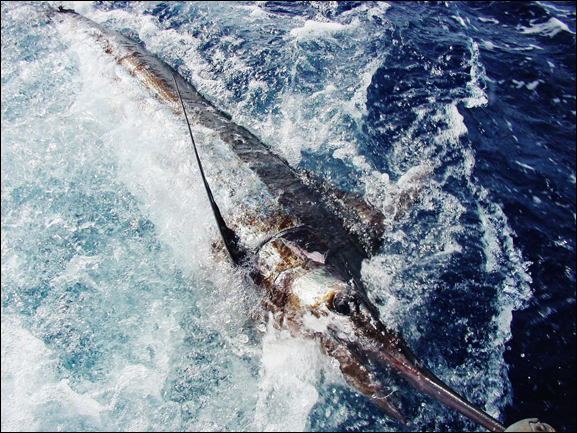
(119, 313)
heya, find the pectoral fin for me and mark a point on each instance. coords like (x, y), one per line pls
(361, 218)
(358, 377)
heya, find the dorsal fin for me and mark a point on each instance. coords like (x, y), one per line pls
(228, 235)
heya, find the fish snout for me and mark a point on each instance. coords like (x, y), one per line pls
(367, 345)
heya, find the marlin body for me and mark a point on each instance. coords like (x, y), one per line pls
(306, 248)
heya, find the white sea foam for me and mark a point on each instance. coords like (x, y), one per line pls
(27, 367)
(549, 28)
(315, 29)
(489, 20)
(290, 372)
(477, 97)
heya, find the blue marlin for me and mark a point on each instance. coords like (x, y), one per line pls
(306, 250)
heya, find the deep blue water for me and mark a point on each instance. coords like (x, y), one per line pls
(116, 316)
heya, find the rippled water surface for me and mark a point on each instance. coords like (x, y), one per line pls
(118, 314)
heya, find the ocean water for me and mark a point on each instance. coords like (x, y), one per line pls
(117, 312)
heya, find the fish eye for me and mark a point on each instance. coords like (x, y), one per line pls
(345, 303)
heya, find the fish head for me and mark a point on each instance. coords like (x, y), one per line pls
(320, 304)
(314, 298)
